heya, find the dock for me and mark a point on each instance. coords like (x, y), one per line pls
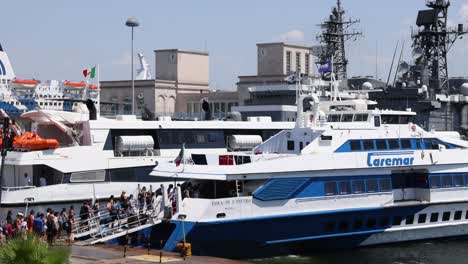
(106, 254)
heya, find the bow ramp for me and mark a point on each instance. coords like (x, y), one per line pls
(105, 227)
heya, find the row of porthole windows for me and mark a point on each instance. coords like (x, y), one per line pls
(448, 181)
(358, 186)
(50, 104)
(387, 221)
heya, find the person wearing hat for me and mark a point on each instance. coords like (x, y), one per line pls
(18, 223)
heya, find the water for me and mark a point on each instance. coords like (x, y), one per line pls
(428, 252)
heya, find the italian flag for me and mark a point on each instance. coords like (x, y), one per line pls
(91, 73)
(180, 158)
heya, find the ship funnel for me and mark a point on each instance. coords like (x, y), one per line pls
(6, 71)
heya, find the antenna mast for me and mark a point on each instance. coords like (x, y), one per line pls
(435, 39)
(335, 32)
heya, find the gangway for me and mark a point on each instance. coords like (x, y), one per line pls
(105, 227)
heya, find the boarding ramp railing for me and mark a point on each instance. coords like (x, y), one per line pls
(109, 226)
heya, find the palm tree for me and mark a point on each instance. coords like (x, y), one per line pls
(31, 249)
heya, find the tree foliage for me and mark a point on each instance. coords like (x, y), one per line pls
(31, 249)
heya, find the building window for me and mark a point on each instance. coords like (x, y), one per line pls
(307, 64)
(288, 62)
(298, 62)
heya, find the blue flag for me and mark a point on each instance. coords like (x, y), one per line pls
(327, 67)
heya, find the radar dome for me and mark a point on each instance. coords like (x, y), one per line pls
(464, 89)
(424, 88)
(367, 86)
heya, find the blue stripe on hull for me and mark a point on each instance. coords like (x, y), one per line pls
(286, 234)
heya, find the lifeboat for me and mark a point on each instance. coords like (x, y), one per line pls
(93, 87)
(76, 85)
(22, 83)
(29, 142)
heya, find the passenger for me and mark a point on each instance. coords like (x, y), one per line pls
(8, 231)
(63, 217)
(96, 212)
(68, 228)
(51, 228)
(141, 197)
(84, 214)
(9, 217)
(111, 209)
(124, 201)
(30, 221)
(72, 211)
(42, 181)
(18, 223)
(57, 227)
(27, 180)
(48, 210)
(38, 225)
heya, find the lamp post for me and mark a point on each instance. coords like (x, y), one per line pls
(132, 22)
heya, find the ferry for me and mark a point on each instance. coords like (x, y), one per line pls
(338, 179)
(71, 157)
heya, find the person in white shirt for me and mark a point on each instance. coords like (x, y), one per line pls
(27, 180)
(42, 181)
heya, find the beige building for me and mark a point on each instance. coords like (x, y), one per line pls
(178, 73)
(276, 61)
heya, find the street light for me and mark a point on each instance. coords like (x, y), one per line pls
(132, 22)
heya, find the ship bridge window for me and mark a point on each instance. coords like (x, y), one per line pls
(377, 121)
(360, 117)
(396, 119)
(347, 118)
(333, 118)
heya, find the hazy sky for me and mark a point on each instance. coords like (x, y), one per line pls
(56, 39)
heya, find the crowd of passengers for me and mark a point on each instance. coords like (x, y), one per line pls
(53, 225)
(130, 206)
(49, 226)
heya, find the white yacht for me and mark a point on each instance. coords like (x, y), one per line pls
(336, 180)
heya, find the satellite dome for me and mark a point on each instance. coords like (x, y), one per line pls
(464, 89)
(367, 86)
